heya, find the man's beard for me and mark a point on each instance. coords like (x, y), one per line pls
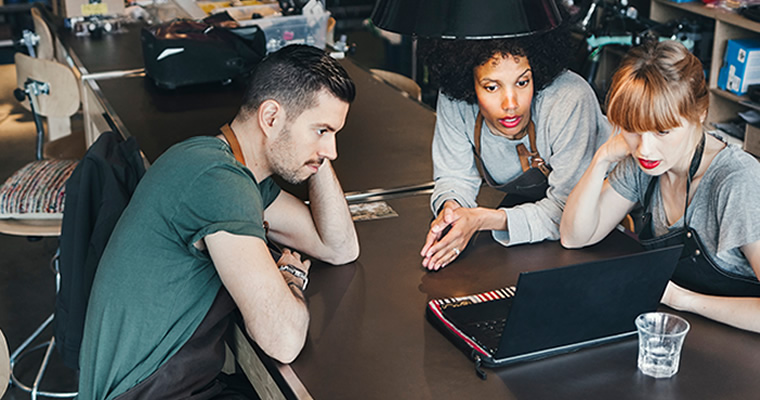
(283, 164)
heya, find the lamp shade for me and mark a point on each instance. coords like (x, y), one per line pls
(466, 19)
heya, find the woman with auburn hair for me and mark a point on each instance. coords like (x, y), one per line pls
(694, 188)
(511, 114)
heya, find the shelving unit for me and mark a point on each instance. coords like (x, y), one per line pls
(727, 25)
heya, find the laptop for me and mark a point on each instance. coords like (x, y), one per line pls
(557, 310)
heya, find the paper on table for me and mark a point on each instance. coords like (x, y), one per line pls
(369, 211)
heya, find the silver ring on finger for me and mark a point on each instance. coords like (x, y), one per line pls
(456, 251)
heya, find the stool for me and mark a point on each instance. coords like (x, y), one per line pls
(24, 350)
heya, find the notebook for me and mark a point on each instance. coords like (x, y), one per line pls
(556, 310)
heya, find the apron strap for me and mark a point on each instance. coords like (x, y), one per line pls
(479, 161)
(696, 159)
(528, 159)
(229, 134)
(532, 159)
(524, 155)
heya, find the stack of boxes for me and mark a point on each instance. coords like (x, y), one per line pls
(741, 68)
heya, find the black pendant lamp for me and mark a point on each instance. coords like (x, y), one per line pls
(466, 19)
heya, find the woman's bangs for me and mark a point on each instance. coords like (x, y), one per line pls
(639, 105)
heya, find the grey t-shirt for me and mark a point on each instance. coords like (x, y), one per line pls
(725, 209)
(569, 128)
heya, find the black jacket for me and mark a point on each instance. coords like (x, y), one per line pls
(96, 194)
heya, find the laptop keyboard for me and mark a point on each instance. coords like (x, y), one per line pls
(482, 316)
(489, 332)
(484, 322)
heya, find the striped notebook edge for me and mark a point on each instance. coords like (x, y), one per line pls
(498, 294)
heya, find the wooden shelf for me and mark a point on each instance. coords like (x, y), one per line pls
(716, 13)
(728, 25)
(728, 95)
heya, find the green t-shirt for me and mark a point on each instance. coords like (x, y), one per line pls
(153, 288)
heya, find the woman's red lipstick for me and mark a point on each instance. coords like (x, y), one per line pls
(510, 123)
(647, 164)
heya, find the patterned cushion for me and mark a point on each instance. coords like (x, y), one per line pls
(36, 191)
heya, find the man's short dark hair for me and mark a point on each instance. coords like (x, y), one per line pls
(293, 76)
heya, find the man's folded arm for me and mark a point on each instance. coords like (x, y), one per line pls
(323, 229)
(274, 315)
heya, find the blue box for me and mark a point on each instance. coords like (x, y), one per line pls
(741, 66)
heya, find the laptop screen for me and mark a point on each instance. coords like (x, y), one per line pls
(580, 304)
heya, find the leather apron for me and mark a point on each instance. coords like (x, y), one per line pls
(696, 270)
(531, 185)
(192, 373)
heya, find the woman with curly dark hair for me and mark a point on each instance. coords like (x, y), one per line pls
(510, 113)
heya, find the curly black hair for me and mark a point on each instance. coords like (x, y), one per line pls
(452, 61)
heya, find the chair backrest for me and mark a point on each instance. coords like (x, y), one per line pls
(46, 45)
(5, 364)
(399, 81)
(97, 192)
(63, 98)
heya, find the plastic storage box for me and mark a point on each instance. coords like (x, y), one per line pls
(309, 28)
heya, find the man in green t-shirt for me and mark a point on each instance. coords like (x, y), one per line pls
(191, 245)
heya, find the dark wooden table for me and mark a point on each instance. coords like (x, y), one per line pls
(369, 338)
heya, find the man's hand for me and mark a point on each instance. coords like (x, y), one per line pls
(441, 249)
(293, 258)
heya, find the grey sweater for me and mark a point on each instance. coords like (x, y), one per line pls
(569, 128)
(725, 209)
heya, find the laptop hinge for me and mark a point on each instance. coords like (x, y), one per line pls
(478, 362)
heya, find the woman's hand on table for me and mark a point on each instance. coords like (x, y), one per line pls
(449, 234)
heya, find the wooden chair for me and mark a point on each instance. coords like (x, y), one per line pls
(400, 82)
(48, 48)
(45, 45)
(31, 200)
(54, 91)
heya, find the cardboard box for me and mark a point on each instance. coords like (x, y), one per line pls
(741, 66)
(84, 8)
(752, 140)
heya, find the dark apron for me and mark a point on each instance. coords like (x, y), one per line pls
(696, 269)
(192, 373)
(528, 187)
